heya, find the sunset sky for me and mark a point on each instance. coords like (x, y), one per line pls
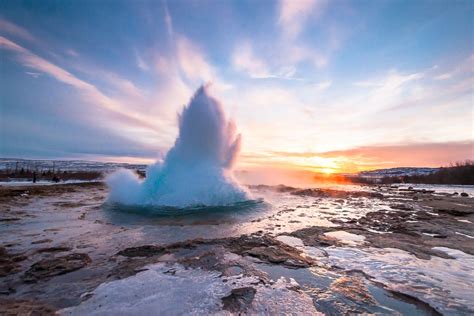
(331, 86)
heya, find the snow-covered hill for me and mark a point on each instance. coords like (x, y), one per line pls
(397, 172)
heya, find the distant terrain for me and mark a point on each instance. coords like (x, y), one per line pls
(12, 169)
(458, 173)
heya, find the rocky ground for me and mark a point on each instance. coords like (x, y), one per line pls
(375, 250)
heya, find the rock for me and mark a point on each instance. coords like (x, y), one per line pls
(402, 207)
(268, 250)
(48, 268)
(207, 261)
(53, 249)
(338, 194)
(464, 194)
(417, 227)
(142, 251)
(24, 307)
(264, 248)
(9, 219)
(9, 262)
(41, 241)
(239, 299)
(354, 289)
(153, 250)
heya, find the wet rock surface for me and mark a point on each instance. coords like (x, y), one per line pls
(9, 262)
(434, 223)
(48, 268)
(10, 307)
(239, 299)
(267, 249)
(67, 229)
(337, 194)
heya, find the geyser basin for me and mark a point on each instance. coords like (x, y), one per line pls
(197, 171)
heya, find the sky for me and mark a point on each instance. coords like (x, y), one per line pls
(324, 86)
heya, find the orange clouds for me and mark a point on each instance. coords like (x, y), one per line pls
(368, 157)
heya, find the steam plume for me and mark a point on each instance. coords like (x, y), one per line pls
(197, 170)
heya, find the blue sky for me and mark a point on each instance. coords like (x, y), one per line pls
(313, 84)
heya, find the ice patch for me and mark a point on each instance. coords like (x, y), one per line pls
(290, 241)
(346, 238)
(174, 290)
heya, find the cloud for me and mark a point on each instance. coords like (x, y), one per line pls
(444, 76)
(7, 44)
(243, 59)
(72, 52)
(384, 92)
(168, 20)
(7, 27)
(321, 86)
(288, 52)
(121, 86)
(88, 91)
(366, 84)
(379, 156)
(36, 138)
(192, 62)
(141, 63)
(408, 155)
(465, 67)
(293, 14)
(33, 74)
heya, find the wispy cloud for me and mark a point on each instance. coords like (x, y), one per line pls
(243, 59)
(72, 52)
(89, 91)
(444, 76)
(192, 62)
(168, 20)
(141, 63)
(464, 67)
(294, 14)
(324, 85)
(14, 30)
(33, 74)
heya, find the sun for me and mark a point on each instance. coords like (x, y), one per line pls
(327, 171)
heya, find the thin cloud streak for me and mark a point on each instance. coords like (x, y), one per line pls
(295, 13)
(16, 31)
(89, 91)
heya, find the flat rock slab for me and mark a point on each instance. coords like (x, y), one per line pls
(48, 268)
(10, 307)
(9, 263)
(239, 299)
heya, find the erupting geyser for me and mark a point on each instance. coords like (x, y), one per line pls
(196, 171)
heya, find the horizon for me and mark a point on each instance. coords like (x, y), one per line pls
(238, 170)
(319, 86)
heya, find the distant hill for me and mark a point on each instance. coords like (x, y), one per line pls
(12, 164)
(458, 173)
(397, 172)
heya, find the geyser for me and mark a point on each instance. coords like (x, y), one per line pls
(198, 168)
